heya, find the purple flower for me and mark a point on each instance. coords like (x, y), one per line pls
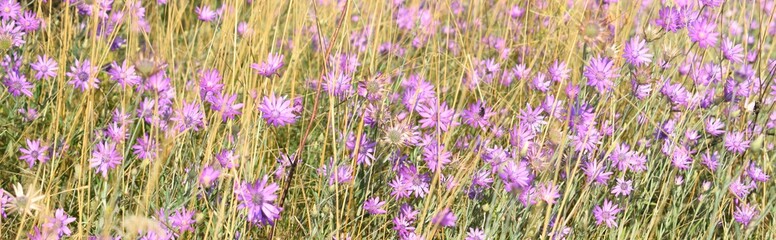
(189, 117)
(414, 181)
(745, 213)
(735, 142)
(340, 174)
(435, 156)
(205, 14)
(258, 199)
(623, 187)
(477, 115)
(732, 51)
(606, 214)
(11, 35)
(337, 84)
(374, 206)
(58, 223)
(516, 176)
(540, 83)
(28, 21)
(671, 19)
(208, 176)
(17, 84)
(9, 9)
(45, 67)
(271, 66)
(714, 126)
(105, 157)
(182, 219)
(712, 3)
(145, 148)
(227, 158)
(710, 160)
(34, 152)
(209, 83)
(756, 173)
(596, 172)
(636, 52)
(600, 73)
(124, 74)
(559, 71)
(444, 218)
(83, 76)
(366, 149)
(277, 111)
(475, 234)
(437, 115)
(226, 106)
(703, 32)
(548, 192)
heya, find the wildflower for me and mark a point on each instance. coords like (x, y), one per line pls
(11, 35)
(182, 219)
(227, 158)
(208, 175)
(9, 9)
(756, 173)
(271, 66)
(714, 126)
(226, 106)
(366, 149)
(58, 223)
(532, 117)
(600, 73)
(606, 214)
(671, 19)
(732, 51)
(189, 117)
(477, 115)
(337, 84)
(559, 71)
(475, 234)
(596, 172)
(444, 218)
(258, 199)
(29, 114)
(83, 75)
(736, 143)
(341, 174)
(636, 52)
(437, 115)
(374, 206)
(34, 152)
(277, 111)
(712, 3)
(45, 67)
(17, 84)
(623, 187)
(145, 148)
(540, 83)
(28, 22)
(105, 157)
(416, 182)
(745, 213)
(21, 202)
(703, 32)
(205, 14)
(435, 156)
(124, 74)
(515, 176)
(548, 192)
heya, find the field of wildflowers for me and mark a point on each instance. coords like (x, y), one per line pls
(387, 119)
